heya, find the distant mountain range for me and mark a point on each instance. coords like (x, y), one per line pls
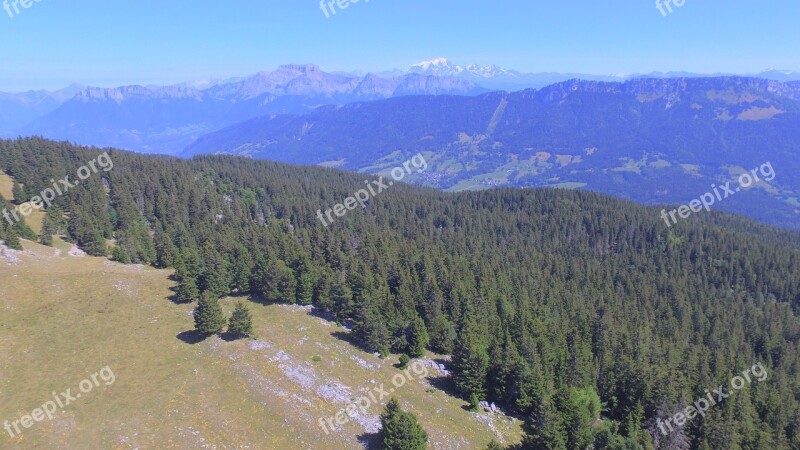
(648, 140)
(498, 78)
(17, 110)
(159, 119)
(166, 119)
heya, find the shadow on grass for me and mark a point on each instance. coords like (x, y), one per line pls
(322, 314)
(174, 297)
(350, 339)
(370, 441)
(230, 337)
(192, 337)
(444, 384)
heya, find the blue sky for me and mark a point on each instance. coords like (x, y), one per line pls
(108, 43)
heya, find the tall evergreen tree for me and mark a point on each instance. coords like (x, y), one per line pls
(544, 429)
(470, 363)
(400, 430)
(208, 317)
(418, 338)
(241, 323)
(20, 196)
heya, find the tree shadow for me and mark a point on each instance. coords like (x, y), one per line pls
(370, 441)
(192, 337)
(444, 384)
(322, 314)
(352, 340)
(174, 297)
(230, 337)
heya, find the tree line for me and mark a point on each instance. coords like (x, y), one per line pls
(580, 313)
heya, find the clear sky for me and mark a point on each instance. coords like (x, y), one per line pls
(114, 42)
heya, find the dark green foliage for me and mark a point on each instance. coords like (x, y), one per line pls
(474, 402)
(119, 255)
(534, 293)
(418, 338)
(494, 445)
(20, 196)
(25, 232)
(400, 430)
(545, 429)
(187, 290)
(275, 281)
(208, 317)
(46, 237)
(470, 363)
(8, 232)
(404, 360)
(241, 323)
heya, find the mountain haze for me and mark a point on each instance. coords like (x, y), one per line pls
(649, 140)
(165, 119)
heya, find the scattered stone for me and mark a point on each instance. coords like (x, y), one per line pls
(76, 252)
(8, 255)
(260, 345)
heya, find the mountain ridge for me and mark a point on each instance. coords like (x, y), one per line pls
(647, 140)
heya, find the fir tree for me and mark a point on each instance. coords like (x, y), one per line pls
(494, 445)
(187, 290)
(400, 430)
(46, 237)
(20, 196)
(418, 338)
(470, 363)
(544, 429)
(208, 317)
(241, 323)
(119, 255)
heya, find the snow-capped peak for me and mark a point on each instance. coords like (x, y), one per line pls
(435, 63)
(444, 68)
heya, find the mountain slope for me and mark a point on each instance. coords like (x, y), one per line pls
(540, 296)
(19, 109)
(166, 119)
(649, 140)
(264, 393)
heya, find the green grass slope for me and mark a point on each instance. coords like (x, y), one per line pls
(63, 318)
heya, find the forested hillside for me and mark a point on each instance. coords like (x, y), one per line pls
(546, 299)
(652, 141)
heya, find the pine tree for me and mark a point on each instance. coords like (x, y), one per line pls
(400, 430)
(544, 429)
(470, 364)
(494, 445)
(187, 290)
(418, 339)
(20, 196)
(46, 237)
(241, 323)
(275, 281)
(119, 255)
(404, 360)
(305, 288)
(208, 317)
